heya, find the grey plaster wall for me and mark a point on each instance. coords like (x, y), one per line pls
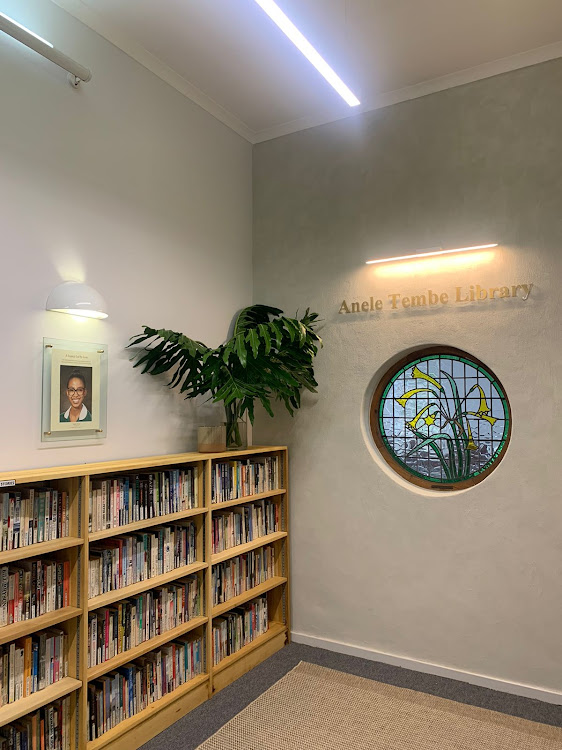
(471, 580)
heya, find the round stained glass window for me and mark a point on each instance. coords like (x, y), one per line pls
(441, 419)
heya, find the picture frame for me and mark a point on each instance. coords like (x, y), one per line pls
(74, 403)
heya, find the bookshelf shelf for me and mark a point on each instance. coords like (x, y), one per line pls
(27, 627)
(236, 601)
(275, 629)
(41, 548)
(247, 499)
(125, 726)
(94, 536)
(182, 475)
(14, 711)
(240, 549)
(137, 588)
(144, 648)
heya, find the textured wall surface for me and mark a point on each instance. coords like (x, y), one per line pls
(127, 185)
(470, 580)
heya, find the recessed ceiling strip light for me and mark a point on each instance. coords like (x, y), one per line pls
(302, 43)
(424, 254)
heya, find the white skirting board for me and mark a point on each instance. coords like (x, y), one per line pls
(515, 688)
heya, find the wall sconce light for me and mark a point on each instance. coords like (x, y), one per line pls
(76, 72)
(426, 253)
(74, 298)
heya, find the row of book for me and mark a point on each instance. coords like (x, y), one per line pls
(32, 516)
(121, 500)
(241, 478)
(130, 689)
(119, 628)
(33, 588)
(234, 577)
(123, 560)
(31, 664)
(244, 524)
(46, 729)
(238, 628)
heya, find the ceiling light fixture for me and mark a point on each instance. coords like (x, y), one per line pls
(430, 252)
(302, 43)
(77, 72)
(74, 298)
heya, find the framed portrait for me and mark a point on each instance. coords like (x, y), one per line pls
(74, 390)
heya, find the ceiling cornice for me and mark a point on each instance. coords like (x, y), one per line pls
(114, 35)
(461, 77)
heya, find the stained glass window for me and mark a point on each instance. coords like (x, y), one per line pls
(441, 419)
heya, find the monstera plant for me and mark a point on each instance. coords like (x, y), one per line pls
(269, 357)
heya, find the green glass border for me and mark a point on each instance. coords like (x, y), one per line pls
(487, 375)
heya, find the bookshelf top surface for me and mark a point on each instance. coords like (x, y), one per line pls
(128, 464)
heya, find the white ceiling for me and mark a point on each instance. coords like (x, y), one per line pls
(231, 59)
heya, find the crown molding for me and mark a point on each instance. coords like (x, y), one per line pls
(487, 70)
(114, 35)
(460, 78)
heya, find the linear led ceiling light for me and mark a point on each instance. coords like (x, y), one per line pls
(302, 43)
(433, 251)
(14, 29)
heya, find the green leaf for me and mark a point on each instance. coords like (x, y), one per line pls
(266, 338)
(254, 341)
(241, 349)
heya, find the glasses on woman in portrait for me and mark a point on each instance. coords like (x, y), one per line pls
(76, 392)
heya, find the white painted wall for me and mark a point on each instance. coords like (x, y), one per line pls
(129, 186)
(469, 581)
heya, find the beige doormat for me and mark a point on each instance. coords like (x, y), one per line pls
(314, 708)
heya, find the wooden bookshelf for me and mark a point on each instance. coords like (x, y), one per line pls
(14, 711)
(124, 727)
(247, 596)
(247, 499)
(137, 588)
(42, 548)
(27, 627)
(144, 648)
(240, 549)
(76, 481)
(94, 536)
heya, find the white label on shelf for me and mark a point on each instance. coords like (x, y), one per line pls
(8, 483)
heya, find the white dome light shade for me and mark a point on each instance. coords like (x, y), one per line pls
(75, 298)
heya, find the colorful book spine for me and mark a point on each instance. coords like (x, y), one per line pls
(135, 686)
(242, 573)
(238, 628)
(121, 561)
(119, 501)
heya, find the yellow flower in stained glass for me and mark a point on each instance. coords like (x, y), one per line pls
(430, 419)
(418, 416)
(417, 373)
(471, 445)
(405, 396)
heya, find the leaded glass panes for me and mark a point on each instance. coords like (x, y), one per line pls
(441, 419)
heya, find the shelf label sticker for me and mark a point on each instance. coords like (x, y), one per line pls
(8, 483)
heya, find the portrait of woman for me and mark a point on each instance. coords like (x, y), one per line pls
(75, 403)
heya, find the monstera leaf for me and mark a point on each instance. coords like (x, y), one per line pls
(269, 357)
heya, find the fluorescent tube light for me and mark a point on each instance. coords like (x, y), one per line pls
(302, 43)
(426, 254)
(43, 47)
(28, 31)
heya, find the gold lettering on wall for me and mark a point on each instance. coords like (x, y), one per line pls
(473, 293)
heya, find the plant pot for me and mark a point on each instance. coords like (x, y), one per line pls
(236, 435)
(211, 439)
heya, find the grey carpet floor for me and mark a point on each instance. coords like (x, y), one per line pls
(197, 726)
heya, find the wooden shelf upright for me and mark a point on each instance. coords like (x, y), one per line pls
(78, 481)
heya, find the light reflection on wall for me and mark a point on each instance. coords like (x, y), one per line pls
(425, 266)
